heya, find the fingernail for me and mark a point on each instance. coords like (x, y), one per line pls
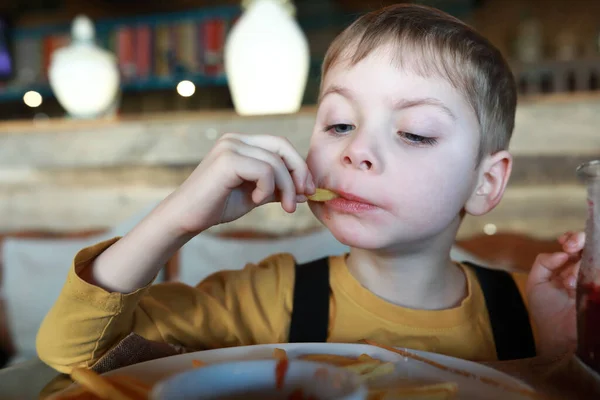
(300, 198)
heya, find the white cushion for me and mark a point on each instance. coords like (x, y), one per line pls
(34, 272)
(206, 254)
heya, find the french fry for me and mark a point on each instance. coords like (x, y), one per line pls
(332, 359)
(280, 354)
(69, 394)
(362, 367)
(366, 357)
(379, 370)
(137, 388)
(322, 195)
(434, 391)
(97, 385)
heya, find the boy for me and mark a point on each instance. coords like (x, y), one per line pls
(415, 114)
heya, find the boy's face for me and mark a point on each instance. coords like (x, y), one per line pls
(404, 145)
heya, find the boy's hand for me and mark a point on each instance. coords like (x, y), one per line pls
(240, 173)
(551, 294)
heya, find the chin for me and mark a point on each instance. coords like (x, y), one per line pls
(354, 232)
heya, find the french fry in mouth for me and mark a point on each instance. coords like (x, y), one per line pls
(323, 195)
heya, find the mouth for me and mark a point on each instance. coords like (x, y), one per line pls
(349, 203)
(352, 197)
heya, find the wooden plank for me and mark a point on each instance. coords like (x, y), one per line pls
(555, 128)
(544, 127)
(145, 142)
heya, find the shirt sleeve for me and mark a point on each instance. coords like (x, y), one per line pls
(229, 308)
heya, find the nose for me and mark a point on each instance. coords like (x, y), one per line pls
(361, 153)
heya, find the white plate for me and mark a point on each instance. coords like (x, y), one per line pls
(469, 387)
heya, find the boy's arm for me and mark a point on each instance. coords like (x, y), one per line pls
(227, 309)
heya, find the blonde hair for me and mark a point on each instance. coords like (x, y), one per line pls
(442, 45)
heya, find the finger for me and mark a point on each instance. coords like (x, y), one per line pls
(250, 169)
(564, 237)
(574, 243)
(547, 265)
(283, 179)
(284, 149)
(569, 276)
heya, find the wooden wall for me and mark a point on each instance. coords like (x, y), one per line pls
(66, 176)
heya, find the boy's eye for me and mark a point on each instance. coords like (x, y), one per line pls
(417, 139)
(340, 128)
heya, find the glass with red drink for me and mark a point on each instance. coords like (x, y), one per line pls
(588, 282)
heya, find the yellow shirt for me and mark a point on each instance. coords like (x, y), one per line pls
(250, 306)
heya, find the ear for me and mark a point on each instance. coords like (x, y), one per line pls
(494, 172)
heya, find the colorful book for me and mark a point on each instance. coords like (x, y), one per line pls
(143, 51)
(214, 43)
(126, 52)
(185, 47)
(162, 47)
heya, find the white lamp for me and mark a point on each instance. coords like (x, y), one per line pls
(267, 59)
(84, 77)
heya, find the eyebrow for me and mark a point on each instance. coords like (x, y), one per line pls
(399, 105)
(342, 91)
(426, 101)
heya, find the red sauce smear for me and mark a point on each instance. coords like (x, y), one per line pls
(280, 371)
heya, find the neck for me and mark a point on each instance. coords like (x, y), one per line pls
(424, 278)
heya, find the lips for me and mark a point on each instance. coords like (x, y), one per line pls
(351, 197)
(350, 204)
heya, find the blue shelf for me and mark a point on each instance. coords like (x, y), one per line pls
(11, 94)
(171, 83)
(104, 27)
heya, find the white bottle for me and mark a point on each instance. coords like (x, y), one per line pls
(267, 59)
(83, 76)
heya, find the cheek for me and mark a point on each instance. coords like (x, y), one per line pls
(319, 160)
(435, 191)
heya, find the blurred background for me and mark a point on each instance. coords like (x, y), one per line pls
(160, 43)
(106, 106)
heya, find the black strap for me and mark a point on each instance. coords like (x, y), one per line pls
(310, 312)
(508, 314)
(509, 318)
(4, 358)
